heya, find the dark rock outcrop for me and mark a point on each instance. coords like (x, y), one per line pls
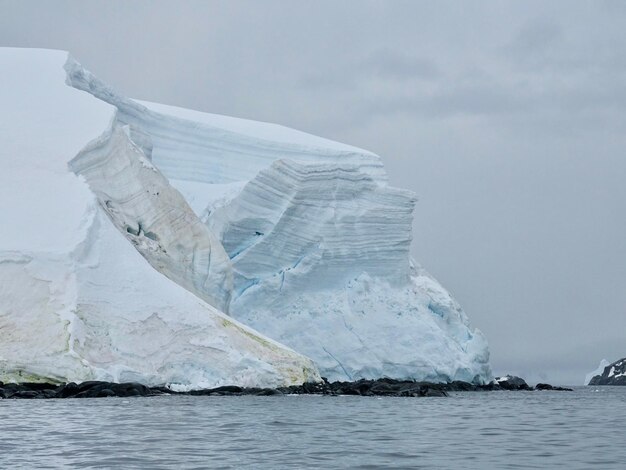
(367, 388)
(613, 374)
(552, 387)
(92, 389)
(511, 382)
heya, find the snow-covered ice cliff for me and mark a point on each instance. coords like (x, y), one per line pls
(176, 217)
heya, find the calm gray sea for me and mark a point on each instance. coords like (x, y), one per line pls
(581, 429)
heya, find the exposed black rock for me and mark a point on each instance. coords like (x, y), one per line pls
(511, 382)
(552, 387)
(97, 389)
(25, 394)
(381, 387)
(226, 390)
(68, 390)
(613, 374)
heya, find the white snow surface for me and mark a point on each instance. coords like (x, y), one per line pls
(296, 236)
(44, 207)
(79, 299)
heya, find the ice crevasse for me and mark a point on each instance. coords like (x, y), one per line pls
(164, 245)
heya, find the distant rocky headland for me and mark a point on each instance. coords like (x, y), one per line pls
(380, 387)
(613, 374)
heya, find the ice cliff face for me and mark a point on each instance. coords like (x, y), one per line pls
(296, 236)
(320, 256)
(316, 225)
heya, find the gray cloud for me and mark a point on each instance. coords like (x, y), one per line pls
(394, 65)
(534, 40)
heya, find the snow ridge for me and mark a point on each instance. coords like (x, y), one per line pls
(213, 149)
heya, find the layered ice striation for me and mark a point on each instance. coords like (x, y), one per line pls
(314, 226)
(296, 236)
(105, 271)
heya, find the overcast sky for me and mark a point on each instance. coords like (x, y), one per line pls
(508, 119)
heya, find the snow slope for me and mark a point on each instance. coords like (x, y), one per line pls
(80, 297)
(317, 239)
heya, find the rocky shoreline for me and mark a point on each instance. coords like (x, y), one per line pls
(379, 387)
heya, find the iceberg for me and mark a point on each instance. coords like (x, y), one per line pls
(164, 245)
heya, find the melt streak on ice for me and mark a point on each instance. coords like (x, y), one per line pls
(139, 235)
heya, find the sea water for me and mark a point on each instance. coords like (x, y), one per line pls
(580, 429)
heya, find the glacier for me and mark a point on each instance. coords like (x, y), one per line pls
(166, 245)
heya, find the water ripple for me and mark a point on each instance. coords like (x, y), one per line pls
(468, 430)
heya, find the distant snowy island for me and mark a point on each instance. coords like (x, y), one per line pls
(148, 243)
(608, 373)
